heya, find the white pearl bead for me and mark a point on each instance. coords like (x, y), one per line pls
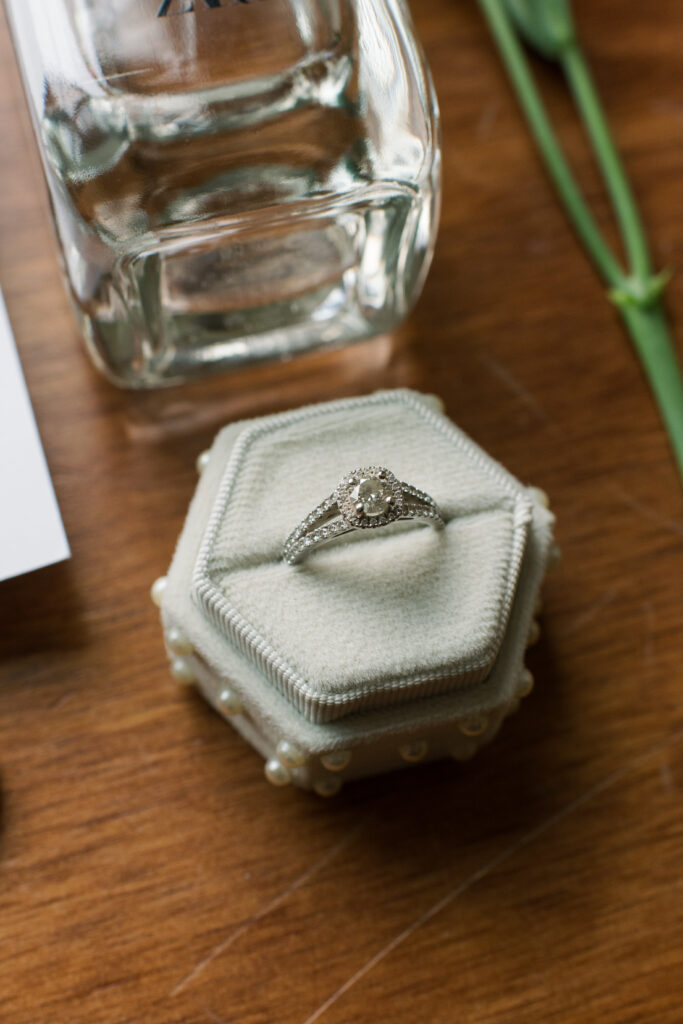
(512, 707)
(181, 671)
(465, 750)
(229, 703)
(534, 633)
(290, 754)
(526, 683)
(474, 726)
(439, 402)
(157, 590)
(327, 787)
(277, 773)
(554, 556)
(336, 760)
(413, 752)
(540, 496)
(202, 461)
(177, 641)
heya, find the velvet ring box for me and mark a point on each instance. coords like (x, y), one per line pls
(384, 647)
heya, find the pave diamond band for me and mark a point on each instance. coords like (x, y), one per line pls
(365, 499)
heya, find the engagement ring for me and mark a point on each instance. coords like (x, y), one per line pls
(364, 500)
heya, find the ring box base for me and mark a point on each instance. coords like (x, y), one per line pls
(384, 647)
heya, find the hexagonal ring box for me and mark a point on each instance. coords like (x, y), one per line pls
(383, 647)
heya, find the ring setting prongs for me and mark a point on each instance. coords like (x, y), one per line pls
(370, 497)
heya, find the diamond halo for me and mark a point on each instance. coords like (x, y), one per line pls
(370, 497)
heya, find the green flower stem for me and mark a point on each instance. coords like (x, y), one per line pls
(585, 94)
(651, 337)
(637, 295)
(539, 123)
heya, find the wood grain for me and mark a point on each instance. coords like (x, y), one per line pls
(149, 874)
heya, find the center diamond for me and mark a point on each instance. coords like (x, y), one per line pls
(374, 494)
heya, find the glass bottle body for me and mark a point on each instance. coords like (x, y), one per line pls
(232, 181)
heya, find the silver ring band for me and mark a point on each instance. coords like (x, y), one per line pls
(365, 499)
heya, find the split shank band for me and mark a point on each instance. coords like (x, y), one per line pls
(365, 499)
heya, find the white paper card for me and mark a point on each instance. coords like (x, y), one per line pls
(31, 530)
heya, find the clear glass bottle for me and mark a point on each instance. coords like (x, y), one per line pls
(232, 180)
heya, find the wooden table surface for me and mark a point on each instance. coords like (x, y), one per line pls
(149, 873)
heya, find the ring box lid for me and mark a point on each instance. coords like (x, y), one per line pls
(382, 616)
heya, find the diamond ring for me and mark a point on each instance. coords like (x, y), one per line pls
(365, 499)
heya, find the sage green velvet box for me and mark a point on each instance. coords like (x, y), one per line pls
(383, 648)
